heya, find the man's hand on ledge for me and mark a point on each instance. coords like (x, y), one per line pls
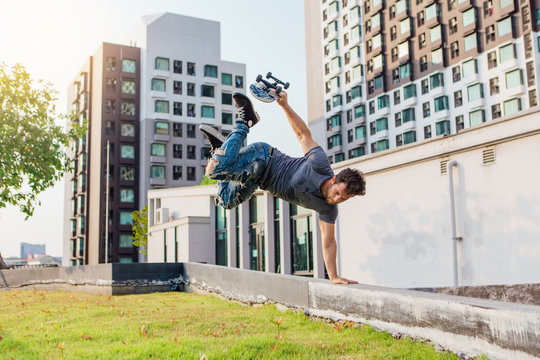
(340, 280)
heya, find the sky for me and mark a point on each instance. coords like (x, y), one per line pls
(52, 39)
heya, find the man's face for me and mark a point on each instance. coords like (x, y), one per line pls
(336, 194)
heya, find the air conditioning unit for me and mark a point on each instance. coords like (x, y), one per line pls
(162, 215)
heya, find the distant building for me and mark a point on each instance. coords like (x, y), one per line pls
(144, 102)
(383, 74)
(34, 249)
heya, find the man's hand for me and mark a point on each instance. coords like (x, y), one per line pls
(340, 280)
(281, 99)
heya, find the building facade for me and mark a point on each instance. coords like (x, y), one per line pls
(398, 72)
(32, 249)
(401, 233)
(143, 103)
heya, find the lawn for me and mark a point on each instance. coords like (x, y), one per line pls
(173, 325)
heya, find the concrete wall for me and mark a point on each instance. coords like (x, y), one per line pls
(462, 325)
(399, 234)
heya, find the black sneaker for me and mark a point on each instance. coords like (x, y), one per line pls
(245, 109)
(215, 138)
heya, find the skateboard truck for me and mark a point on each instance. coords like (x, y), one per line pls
(261, 88)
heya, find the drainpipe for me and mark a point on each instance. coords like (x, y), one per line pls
(455, 238)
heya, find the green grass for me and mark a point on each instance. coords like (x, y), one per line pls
(44, 325)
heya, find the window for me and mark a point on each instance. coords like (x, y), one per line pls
(191, 131)
(495, 111)
(404, 71)
(425, 86)
(190, 173)
(337, 100)
(191, 152)
(190, 89)
(226, 79)
(504, 26)
(494, 86)
(129, 66)
(177, 108)
(157, 149)
(476, 117)
(441, 103)
(340, 157)
(397, 119)
(452, 26)
(357, 152)
(443, 127)
(456, 73)
(492, 59)
(157, 172)
(420, 18)
(191, 110)
(127, 151)
(490, 34)
(382, 145)
(177, 172)
(425, 109)
(469, 68)
(383, 101)
(359, 111)
(432, 11)
(460, 123)
(475, 92)
(423, 63)
(177, 66)
(127, 130)
(126, 240)
(458, 98)
(205, 153)
(403, 49)
(360, 132)
(437, 56)
(207, 111)
(158, 84)
(393, 33)
(177, 87)
(125, 218)
(399, 140)
(207, 90)
(161, 106)
(512, 106)
(110, 107)
(128, 87)
(210, 71)
(408, 115)
(177, 129)
(109, 128)
(533, 101)
(226, 98)
(127, 195)
(239, 81)
(177, 151)
(191, 68)
(454, 49)
(405, 26)
(409, 137)
(470, 42)
(334, 140)
(127, 173)
(382, 124)
(110, 64)
(161, 128)
(162, 64)
(436, 80)
(397, 97)
(110, 85)
(334, 121)
(507, 52)
(409, 91)
(514, 78)
(435, 33)
(469, 17)
(128, 108)
(226, 118)
(427, 132)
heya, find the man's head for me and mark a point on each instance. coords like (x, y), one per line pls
(348, 183)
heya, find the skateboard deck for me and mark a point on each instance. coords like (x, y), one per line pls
(261, 93)
(261, 88)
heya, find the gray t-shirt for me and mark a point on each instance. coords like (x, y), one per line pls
(298, 180)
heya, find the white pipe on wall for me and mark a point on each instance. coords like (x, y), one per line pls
(455, 238)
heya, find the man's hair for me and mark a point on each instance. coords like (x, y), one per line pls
(355, 180)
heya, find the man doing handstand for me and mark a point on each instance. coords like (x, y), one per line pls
(308, 181)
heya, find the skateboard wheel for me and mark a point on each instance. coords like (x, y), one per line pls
(286, 86)
(259, 78)
(278, 90)
(269, 75)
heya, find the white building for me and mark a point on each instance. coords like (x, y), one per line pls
(400, 233)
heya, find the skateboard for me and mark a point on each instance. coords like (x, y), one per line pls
(261, 88)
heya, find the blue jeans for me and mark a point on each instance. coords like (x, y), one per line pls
(238, 170)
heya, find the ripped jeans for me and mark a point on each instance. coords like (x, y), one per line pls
(238, 170)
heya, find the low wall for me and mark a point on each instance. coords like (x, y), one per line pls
(462, 325)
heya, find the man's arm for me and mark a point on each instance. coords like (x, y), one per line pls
(298, 125)
(329, 249)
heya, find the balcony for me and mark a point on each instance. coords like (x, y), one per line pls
(162, 138)
(471, 79)
(158, 159)
(383, 112)
(161, 73)
(441, 114)
(158, 94)
(478, 103)
(408, 125)
(413, 100)
(438, 91)
(509, 65)
(516, 90)
(157, 181)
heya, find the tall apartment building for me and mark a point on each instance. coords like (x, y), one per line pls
(144, 103)
(396, 72)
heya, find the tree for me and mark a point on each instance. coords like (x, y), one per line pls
(32, 145)
(208, 181)
(140, 229)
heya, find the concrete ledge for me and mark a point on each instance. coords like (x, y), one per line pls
(463, 325)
